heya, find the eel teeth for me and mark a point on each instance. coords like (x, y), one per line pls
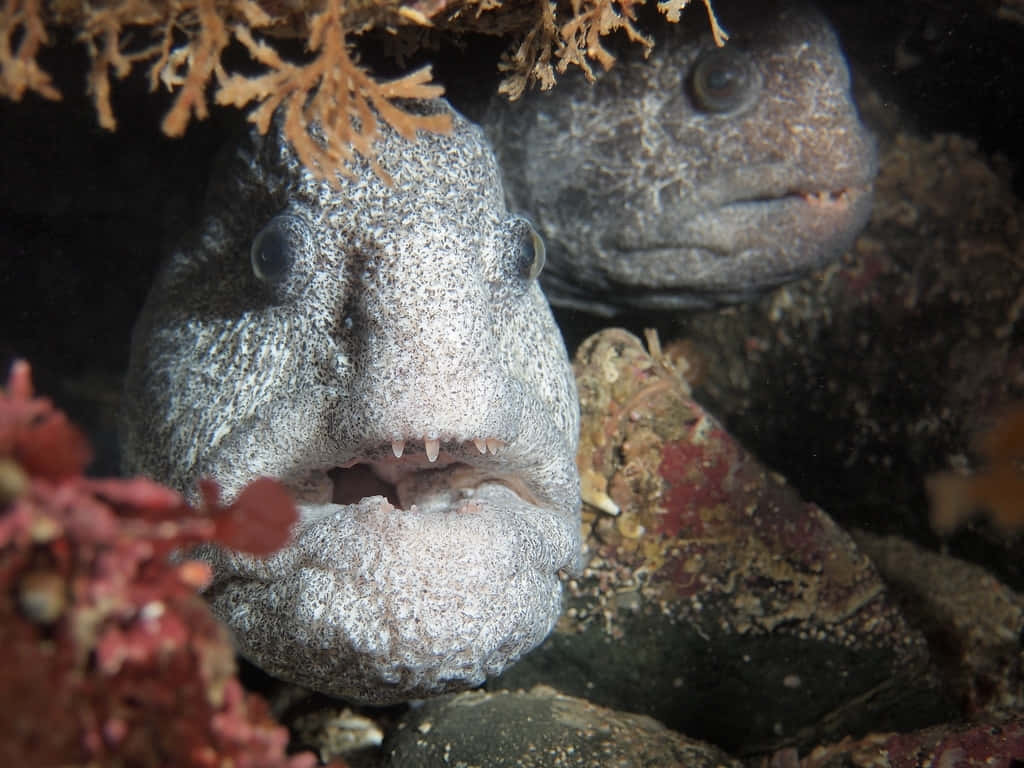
(827, 198)
(432, 447)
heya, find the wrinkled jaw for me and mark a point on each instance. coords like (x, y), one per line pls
(750, 245)
(431, 567)
(722, 255)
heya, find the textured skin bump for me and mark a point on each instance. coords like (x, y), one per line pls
(648, 199)
(406, 313)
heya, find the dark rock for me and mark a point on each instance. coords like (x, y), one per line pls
(539, 729)
(972, 622)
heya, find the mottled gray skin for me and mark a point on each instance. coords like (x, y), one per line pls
(409, 313)
(647, 199)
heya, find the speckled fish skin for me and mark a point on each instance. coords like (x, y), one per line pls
(408, 313)
(649, 200)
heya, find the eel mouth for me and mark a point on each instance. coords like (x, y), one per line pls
(425, 475)
(759, 219)
(811, 227)
(839, 202)
(420, 566)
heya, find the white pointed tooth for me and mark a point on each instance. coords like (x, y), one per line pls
(398, 448)
(480, 444)
(432, 448)
(493, 444)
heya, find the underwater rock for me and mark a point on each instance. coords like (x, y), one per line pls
(972, 622)
(716, 599)
(863, 380)
(537, 729)
(996, 744)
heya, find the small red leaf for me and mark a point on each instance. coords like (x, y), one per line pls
(260, 519)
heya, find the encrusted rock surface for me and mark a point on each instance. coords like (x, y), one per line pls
(859, 382)
(716, 599)
(980, 745)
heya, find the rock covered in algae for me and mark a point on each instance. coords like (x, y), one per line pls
(716, 599)
(991, 744)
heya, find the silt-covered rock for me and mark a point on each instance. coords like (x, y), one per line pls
(538, 729)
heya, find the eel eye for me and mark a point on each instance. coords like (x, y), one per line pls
(529, 252)
(722, 79)
(276, 247)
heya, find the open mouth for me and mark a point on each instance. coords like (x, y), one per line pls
(424, 476)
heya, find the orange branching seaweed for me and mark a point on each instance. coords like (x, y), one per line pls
(673, 8)
(186, 39)
(577, 40)
(189, 67)
(332, 107)
(101, 33)
(581, 35)
(182, 42)
(531, 59)
(332, 90)
(22, 33)
(997, 488)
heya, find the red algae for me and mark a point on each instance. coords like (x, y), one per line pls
(111, 656)
(694, 481)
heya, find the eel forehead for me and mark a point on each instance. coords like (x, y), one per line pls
(386, 351)
(642, 190)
